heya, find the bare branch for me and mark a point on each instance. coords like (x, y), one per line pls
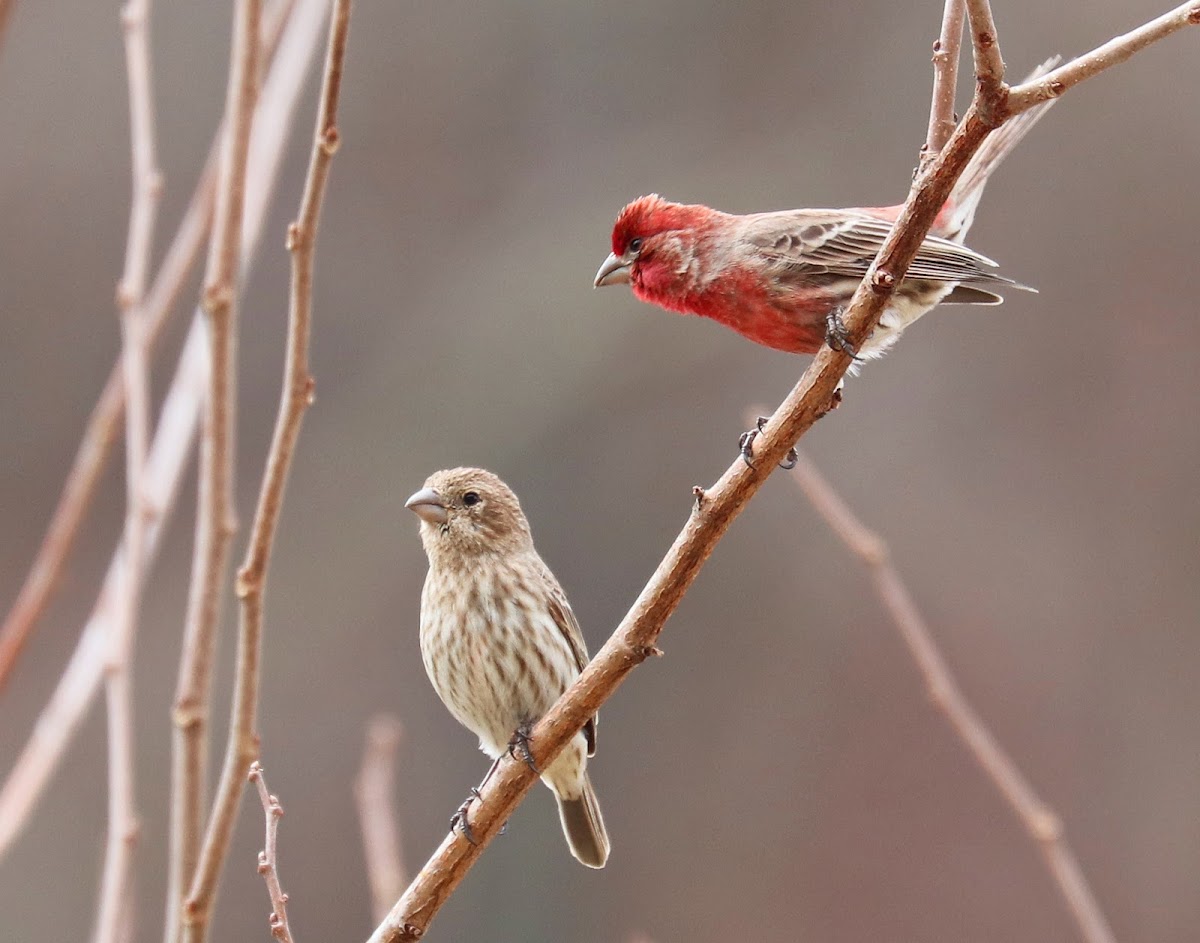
(81, 679)
(373, 790)
(268, 858)
(945, 80)
(1115, 51)
(714, 511)
(101, 431)
(177, 423)
(242, 745)
(985, 44)
(146, 190)
(1040, 821)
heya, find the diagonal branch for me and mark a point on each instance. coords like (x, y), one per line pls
(1039, 820)
(1117, 50)
(714, 510)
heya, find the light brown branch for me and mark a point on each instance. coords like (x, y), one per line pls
(242, 745)
(101, 431)
(78, 685)
(1040, 821)
(215, 514)
(79, 682)
(146, 190)
(1115, 51)
(373, 791)
(290, 52)
(985, 45)
(945, 80)
(268, 858)
(6, 9)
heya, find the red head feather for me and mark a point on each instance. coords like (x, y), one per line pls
(648, 216)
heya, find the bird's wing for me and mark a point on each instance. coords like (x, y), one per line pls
(836, 242)
(564, 618)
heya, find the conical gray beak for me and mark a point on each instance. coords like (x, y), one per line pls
(427, 505)
(614, 271)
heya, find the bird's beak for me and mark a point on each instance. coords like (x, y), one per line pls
(427, 505)
(614, 271)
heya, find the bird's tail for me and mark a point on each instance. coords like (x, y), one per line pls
(583, 825)
(959, 212)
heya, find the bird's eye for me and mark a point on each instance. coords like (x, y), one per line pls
(470, 498)
(635, 245)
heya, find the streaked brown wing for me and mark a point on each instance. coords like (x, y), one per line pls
(564, 618)
(834, 242)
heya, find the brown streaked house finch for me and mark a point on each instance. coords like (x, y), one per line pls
(782, 279)
(499, 640)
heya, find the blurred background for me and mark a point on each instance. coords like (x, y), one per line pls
(780, 774)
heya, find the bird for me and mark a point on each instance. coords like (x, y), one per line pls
(499, 640)
(783, 279)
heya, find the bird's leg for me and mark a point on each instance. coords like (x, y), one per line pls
(746, 446)
(459, 819)
(836, 335)
(520, 744)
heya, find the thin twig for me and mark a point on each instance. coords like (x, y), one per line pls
(945, 80)
(297, 393)
(1040, 821)
(101, 431)
(373, 791)
(268, 858)
(290, 53)
(985, 45)
(146, 190)
(216, 520)
(1116, 50)
(711, 516)
(60, 719)
(79, 682)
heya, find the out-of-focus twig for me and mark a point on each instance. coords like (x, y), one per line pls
(216, 520)
(6, 9)
(373, 794)
(945, 80)
(268, 858)
(1042, 823)
(101, 430)
(242, 744)
(146, 191)
(714, 510)
(76, 688)
(62, 715)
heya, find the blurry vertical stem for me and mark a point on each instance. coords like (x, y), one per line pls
(297, 392)
(215, 520)
(146, 190)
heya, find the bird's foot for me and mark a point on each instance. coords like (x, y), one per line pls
(836, 335)
(459, 819)
(520, 744)
(746, 446)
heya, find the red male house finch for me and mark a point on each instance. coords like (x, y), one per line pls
(782, 279)
(498, 638)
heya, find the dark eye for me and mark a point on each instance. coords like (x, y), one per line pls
(471, 497)
(635, 245)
